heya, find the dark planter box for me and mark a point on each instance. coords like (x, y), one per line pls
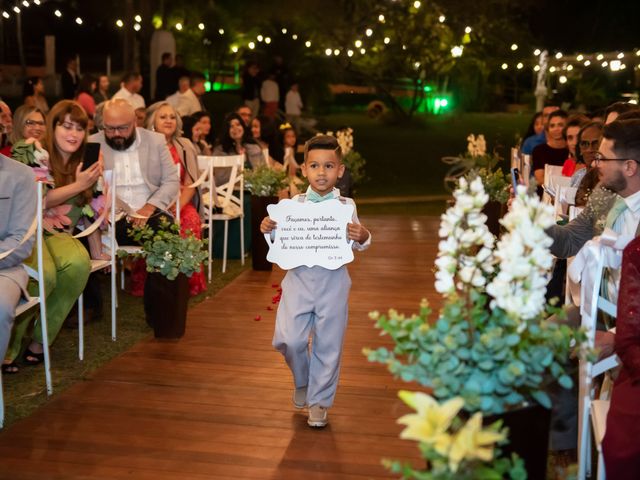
(528, 437)
(165, 304)
(260, 248)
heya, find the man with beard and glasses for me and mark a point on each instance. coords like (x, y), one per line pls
(145, 175)
(615, 204)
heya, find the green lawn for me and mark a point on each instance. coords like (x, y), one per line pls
(405, 160)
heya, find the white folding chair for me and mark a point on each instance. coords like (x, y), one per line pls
(550, 183)
(516, 159)
(224, 197)
(96, 265)
(572, 289)
(526, 169)
(37, 275)
(589, 371)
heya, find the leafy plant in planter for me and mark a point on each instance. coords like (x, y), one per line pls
(491, 344)
(167, 252)
(476, 162)
(264, 181)
(170, 258)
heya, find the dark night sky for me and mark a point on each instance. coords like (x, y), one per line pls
(587, 25)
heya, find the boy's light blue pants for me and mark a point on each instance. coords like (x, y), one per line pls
(314, 301)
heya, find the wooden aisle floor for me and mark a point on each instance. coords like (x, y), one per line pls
(217, 404)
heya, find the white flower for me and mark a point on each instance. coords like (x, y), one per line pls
(524, 259)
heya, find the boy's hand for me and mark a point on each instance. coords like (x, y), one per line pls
(267, 225)
(357, 232)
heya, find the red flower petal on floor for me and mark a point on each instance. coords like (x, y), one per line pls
(258, 318)
(269, 308)
(275, 285)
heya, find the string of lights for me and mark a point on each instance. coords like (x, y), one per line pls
(558, 62)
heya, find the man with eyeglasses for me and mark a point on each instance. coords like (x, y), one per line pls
(619, 171)
(145, 176)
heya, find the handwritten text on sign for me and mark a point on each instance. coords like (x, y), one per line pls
(310, 234)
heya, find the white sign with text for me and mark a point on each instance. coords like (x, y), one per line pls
(310, 234)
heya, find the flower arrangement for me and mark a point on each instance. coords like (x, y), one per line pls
(476, 162)
(453, 448)
(168, 252)
(265, 182)
(490, 344)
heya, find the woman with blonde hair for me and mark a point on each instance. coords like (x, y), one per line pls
(163, 118)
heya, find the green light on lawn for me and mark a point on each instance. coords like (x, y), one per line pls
(207, 86)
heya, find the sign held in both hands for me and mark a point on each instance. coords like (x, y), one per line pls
(310, 234)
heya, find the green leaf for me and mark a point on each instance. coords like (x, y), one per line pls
(565, 381)
(542, 398)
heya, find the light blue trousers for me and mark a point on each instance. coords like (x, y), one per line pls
(315, 301)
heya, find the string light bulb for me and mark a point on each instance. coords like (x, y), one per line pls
(201, 26)
(349, 53)
(328, 52)
(381, 18)
(580, 57)
(569, 68)
(25, 3)
(221, 31)
(137, 18)
(119, 23)
(514, 47)
(78, 20)
(267, 40)
(252, 45)
(336, 52)
(16, 9)
(537, 52)
(386, 40)
(358, 43)
(136, 27)
(442, 18)
(559, 55)
(57, 13)
(294, 36)
(552, 69)
(456, 51)
(368, 32)
(599, 57)
(307, 43)
(234, 49)
(260, 38)
(363, 51)
(417, 4)
(562, 79)
(536, 68)
(519, 66)
(587, 63)
(5, 14)
(504, 66)
(284, 31)
(467, 30)
(620, 56)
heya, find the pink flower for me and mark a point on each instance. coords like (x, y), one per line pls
(55, 218)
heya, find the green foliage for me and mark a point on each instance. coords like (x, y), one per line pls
(499, 469)
(477, 353)
(167, 252)
(264, 181)
(355, 163)
(496, 183)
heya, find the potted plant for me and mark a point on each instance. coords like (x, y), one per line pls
(172, 258)
(354, 162)
(264, 183)
(490, 344)
(476, 162)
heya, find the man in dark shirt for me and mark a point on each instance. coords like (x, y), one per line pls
(164, 78)
(70, 79)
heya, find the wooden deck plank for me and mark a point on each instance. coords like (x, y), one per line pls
(217, 404)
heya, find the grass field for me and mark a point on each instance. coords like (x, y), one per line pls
(405, 160)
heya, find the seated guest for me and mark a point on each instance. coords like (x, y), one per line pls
(236, 139)
(163, 118)
(6, 127)
(101, 93)
(586, 179)
(570, 134)
(190, 101)
(619, 173)
(145, 176)
(197, 128)
(620, 446)
(33, 94)
(17, 209)
(615, 109)
(536, 126)
(554, 151)
(66, 261)
(84, 96)
(245, 113)
(141, 117)
(29, 122)
(533, 141)
(262, 131)
(130, 90)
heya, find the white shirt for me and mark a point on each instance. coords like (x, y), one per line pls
(130, 185)
(293, 103)
(625, 225)
(136, 100)
(269, 91)
(186, 103)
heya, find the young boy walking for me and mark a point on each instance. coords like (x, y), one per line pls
(315, 300)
